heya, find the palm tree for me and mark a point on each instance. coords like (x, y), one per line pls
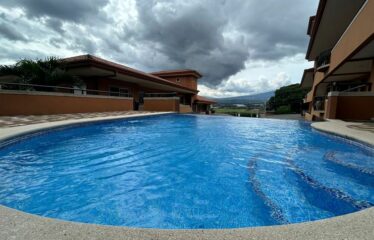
(51, 72)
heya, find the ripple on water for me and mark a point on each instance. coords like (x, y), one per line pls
(181, 171)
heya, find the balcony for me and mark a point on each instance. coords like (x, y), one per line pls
(319, 104)
(31, 99)
(160, 95)
(323, 61)
(356, 42)
(60, 90)
(350, 105)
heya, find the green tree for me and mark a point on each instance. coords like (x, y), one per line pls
(287, 99)
(50, 71)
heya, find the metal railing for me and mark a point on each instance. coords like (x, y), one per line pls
(355, 88)
(59, 89)
(323, 58)
(155, 95)
(319, 103)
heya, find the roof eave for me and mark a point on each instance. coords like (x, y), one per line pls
(177, 73)
(92, 61)
(306, 71)
(310, 25)
(317, 21)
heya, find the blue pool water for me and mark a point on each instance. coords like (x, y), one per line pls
(182, 171)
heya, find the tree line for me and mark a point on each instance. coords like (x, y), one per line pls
(287, 99)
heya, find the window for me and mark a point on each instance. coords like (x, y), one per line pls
(119, 92)
(178, 80)
(80, 90)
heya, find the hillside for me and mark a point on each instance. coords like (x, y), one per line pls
(255, 98)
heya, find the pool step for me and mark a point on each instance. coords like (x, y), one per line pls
(336, 158)
(331, 176)
(276, 212)
(329, 184)
(273, 181)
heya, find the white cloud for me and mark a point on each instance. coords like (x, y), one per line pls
(240, 46)
(260, 76)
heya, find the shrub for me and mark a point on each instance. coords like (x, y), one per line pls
(291, 96)
(50, 71)
(283, 109)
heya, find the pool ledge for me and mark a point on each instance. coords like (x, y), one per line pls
(349, 130)
(11, 132)
(19, 225)
(15, 224)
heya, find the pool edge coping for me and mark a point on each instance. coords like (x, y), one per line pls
(8, 133)
(21, 225)
(343, 132)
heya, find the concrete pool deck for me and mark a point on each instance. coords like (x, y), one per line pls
(358, 131)
(14, 121)
(15, 224)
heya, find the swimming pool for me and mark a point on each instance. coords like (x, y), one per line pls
(182, 171)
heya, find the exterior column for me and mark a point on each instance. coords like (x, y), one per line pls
(371, 78)
(332, 104)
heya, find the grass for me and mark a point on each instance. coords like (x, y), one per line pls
(244, 112)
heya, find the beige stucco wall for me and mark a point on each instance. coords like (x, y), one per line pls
(186, 81)
(33, 103)
(330, 109)
(360, 30)
(161, 104)
(185, 108)
(350, 106)
(355, 108)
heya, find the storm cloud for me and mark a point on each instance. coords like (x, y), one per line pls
(8, 32)
(69, 10)
(219, 38)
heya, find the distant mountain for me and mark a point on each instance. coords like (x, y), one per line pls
(255, 98)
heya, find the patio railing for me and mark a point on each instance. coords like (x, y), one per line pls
(319, 104)
(323, 60)
(59, 89)
(157, 95)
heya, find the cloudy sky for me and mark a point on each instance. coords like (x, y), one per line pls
(240, 46)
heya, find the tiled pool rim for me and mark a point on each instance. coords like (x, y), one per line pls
(15, 224)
